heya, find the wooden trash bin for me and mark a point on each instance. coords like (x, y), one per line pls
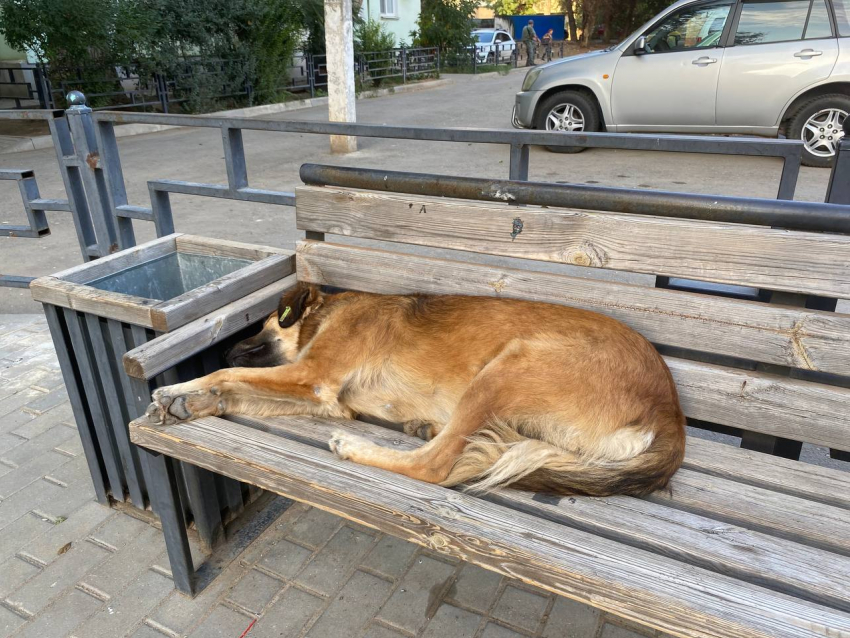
(99, 310)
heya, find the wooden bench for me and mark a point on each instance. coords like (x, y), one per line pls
(742, 544)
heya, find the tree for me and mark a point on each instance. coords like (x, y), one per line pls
(445, 24)
(511, 7)
(223, 43)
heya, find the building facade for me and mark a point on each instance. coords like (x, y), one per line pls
(398, 16)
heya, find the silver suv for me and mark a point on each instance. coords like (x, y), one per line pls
(746, 67)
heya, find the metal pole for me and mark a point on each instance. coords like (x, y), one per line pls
(404, 65)
(310, 75)
(88, 164)
(115, 188)
(519, 162)
(838, 191)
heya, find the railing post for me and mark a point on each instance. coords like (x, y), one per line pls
(161, 91)
(404, 65)
(41, 87)
(438, 61)
(519, 162)
(838, 191)
(311, 74)
(474, 60)
(116, 190)
(89, 166)
(234, 158)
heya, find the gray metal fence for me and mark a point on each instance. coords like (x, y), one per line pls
(90, 164)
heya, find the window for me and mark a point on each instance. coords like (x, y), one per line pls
(483, 36)
(842, 16)
(818, 25)
(389, 9)
(691, 28)
(763, 22)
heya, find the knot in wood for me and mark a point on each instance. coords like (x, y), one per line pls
(586, 254)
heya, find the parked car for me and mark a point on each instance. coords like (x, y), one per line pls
(746, 67)
(493, 44)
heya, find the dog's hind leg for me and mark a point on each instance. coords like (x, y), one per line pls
(484, 398)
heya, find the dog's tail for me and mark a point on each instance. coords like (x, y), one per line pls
(499, 456)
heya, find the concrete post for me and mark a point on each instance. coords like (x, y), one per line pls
(339, 44)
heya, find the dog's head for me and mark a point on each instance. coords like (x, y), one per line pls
(279, 341)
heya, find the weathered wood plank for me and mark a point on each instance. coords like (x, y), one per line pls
(154, 357)
(225, 248)
(814, 263)
(760, 402)
(787, 336)
(171, 314)
(699, 540)
(643, 587)
(805, 480)
(104, 266)
(112, 305)
(755, 508)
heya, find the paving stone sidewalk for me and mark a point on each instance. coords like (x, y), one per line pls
(71, 567)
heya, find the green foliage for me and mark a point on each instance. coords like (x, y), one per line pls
(256, 38)
(511, 7)
(372, 35)
(446, 24)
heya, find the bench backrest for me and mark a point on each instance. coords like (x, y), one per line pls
(696, 325)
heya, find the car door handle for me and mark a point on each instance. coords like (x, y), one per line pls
(704, 60)
(807, 53)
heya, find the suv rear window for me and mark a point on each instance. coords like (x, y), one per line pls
(783, 21)
(763, 22)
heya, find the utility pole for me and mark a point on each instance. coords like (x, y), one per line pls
(339, 45)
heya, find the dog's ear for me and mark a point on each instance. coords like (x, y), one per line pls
(295, 302)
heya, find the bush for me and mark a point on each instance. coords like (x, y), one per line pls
(371, 35)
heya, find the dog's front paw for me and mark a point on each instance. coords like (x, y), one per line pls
(173, 404)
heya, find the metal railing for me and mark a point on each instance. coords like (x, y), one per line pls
(196, 82)
(90, 163)
(23, 86)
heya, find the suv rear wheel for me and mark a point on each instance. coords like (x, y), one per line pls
(819, 123)
(568, 111)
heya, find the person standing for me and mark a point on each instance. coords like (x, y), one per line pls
(547, 45)
(530, 38)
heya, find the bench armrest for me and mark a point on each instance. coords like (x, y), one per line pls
(154, 357)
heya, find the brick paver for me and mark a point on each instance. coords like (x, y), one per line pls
(71, 567)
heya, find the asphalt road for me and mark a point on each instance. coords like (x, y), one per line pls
(274, 159)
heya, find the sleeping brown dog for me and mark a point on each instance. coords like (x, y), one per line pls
(506, 392)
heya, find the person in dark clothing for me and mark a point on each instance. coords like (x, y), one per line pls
(547, 45)
(529, 37)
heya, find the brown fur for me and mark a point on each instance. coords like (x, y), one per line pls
(509, 392)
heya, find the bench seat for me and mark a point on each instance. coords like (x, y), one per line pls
(741, 544)
(715, 555)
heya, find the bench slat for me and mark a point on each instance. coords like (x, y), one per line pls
(804, 262)
(650, 589)
(768, 333)
(752, 556)
(805, 480)
(770, 404)
(799, 410)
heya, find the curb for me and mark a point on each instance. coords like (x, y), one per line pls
(127, 130)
